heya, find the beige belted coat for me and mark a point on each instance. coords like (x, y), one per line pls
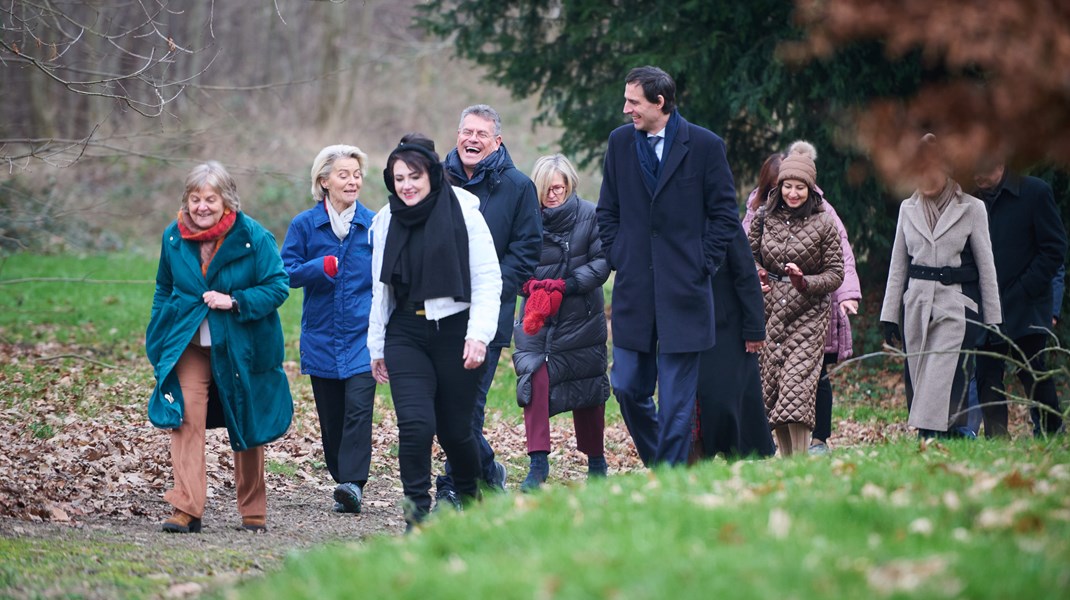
(932, 315)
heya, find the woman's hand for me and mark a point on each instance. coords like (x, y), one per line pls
(475, 352)
(763, 279)
(849, 307)
(218, 300)
(754, 345)
(796, 276)
(379, 370)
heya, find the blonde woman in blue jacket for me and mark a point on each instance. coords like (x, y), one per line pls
(215, 333)
(327, 253)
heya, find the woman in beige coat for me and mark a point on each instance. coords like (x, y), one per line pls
(941, 285)
(800, 263)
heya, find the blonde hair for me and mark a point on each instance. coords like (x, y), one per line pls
(543, 175)
(215, 175)
(324, 164)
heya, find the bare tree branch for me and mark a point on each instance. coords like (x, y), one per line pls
(1015, 357)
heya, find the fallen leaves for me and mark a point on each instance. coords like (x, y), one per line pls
(102, 459)
(779, 525)
(912, 575)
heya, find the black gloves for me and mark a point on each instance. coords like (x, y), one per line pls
(892, 337)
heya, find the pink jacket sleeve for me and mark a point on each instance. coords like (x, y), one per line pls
(839, 340)
(850, 289)
(747, 218)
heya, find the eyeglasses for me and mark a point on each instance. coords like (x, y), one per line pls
(557, 190)
(480, 135)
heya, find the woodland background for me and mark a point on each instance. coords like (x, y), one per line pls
(104, 105)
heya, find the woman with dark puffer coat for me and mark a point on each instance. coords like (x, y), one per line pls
(561, 356)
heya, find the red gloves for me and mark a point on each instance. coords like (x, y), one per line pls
(554, 285)
(544, 300)
(550, 285)
(330, 265)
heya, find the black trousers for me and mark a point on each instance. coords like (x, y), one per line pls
(433, 394)
(823, 409)
(345, 410)
(990, 385)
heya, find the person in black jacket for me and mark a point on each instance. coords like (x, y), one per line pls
(560, 356)
(731, 414)
(1029, 245)
(480, 164)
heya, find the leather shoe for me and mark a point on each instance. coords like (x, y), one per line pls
(254, 524)
(182, 522)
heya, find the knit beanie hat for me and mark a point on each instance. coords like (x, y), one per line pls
(799, 164)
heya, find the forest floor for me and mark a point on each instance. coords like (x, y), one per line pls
(83, 473)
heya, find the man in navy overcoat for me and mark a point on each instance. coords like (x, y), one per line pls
(666, 213)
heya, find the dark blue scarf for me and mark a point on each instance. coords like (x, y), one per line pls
(490, 168)
(648, 159)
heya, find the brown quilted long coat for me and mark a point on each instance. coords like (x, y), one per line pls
(795, 322)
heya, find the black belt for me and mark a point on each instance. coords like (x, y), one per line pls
(776, 276)
(945, 275)
(413, 307)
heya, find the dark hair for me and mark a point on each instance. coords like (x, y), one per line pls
(654, 82)
(418, 152)
(814, 203)
(767, 178)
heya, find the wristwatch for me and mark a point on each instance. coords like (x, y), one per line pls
(234, 305)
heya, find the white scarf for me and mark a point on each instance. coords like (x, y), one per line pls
(340, 221)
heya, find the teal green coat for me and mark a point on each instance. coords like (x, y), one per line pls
(247, 346)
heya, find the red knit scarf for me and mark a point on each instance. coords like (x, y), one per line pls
(209, 239)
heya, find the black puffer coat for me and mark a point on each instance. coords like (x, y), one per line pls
(572, 343)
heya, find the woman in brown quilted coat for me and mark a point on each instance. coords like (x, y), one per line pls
(800, 263)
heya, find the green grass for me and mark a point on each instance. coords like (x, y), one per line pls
(108, 317)
(103, 566)
(974, 520)
(286, 469)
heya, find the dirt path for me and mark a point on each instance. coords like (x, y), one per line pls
(127, 530)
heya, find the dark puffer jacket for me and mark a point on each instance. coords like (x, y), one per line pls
(572, 343)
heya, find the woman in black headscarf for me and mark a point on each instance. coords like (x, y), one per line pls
(435, 296)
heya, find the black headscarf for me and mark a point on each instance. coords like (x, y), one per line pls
(426, 248)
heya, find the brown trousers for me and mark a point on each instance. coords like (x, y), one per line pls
(194, 370)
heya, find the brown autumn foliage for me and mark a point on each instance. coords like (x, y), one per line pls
(1008, 87)
(101, 460)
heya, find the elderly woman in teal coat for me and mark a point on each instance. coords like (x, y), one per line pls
(215, 343)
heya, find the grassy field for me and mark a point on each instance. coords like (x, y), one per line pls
(901, 520)
(102, 303)
(887, 519)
